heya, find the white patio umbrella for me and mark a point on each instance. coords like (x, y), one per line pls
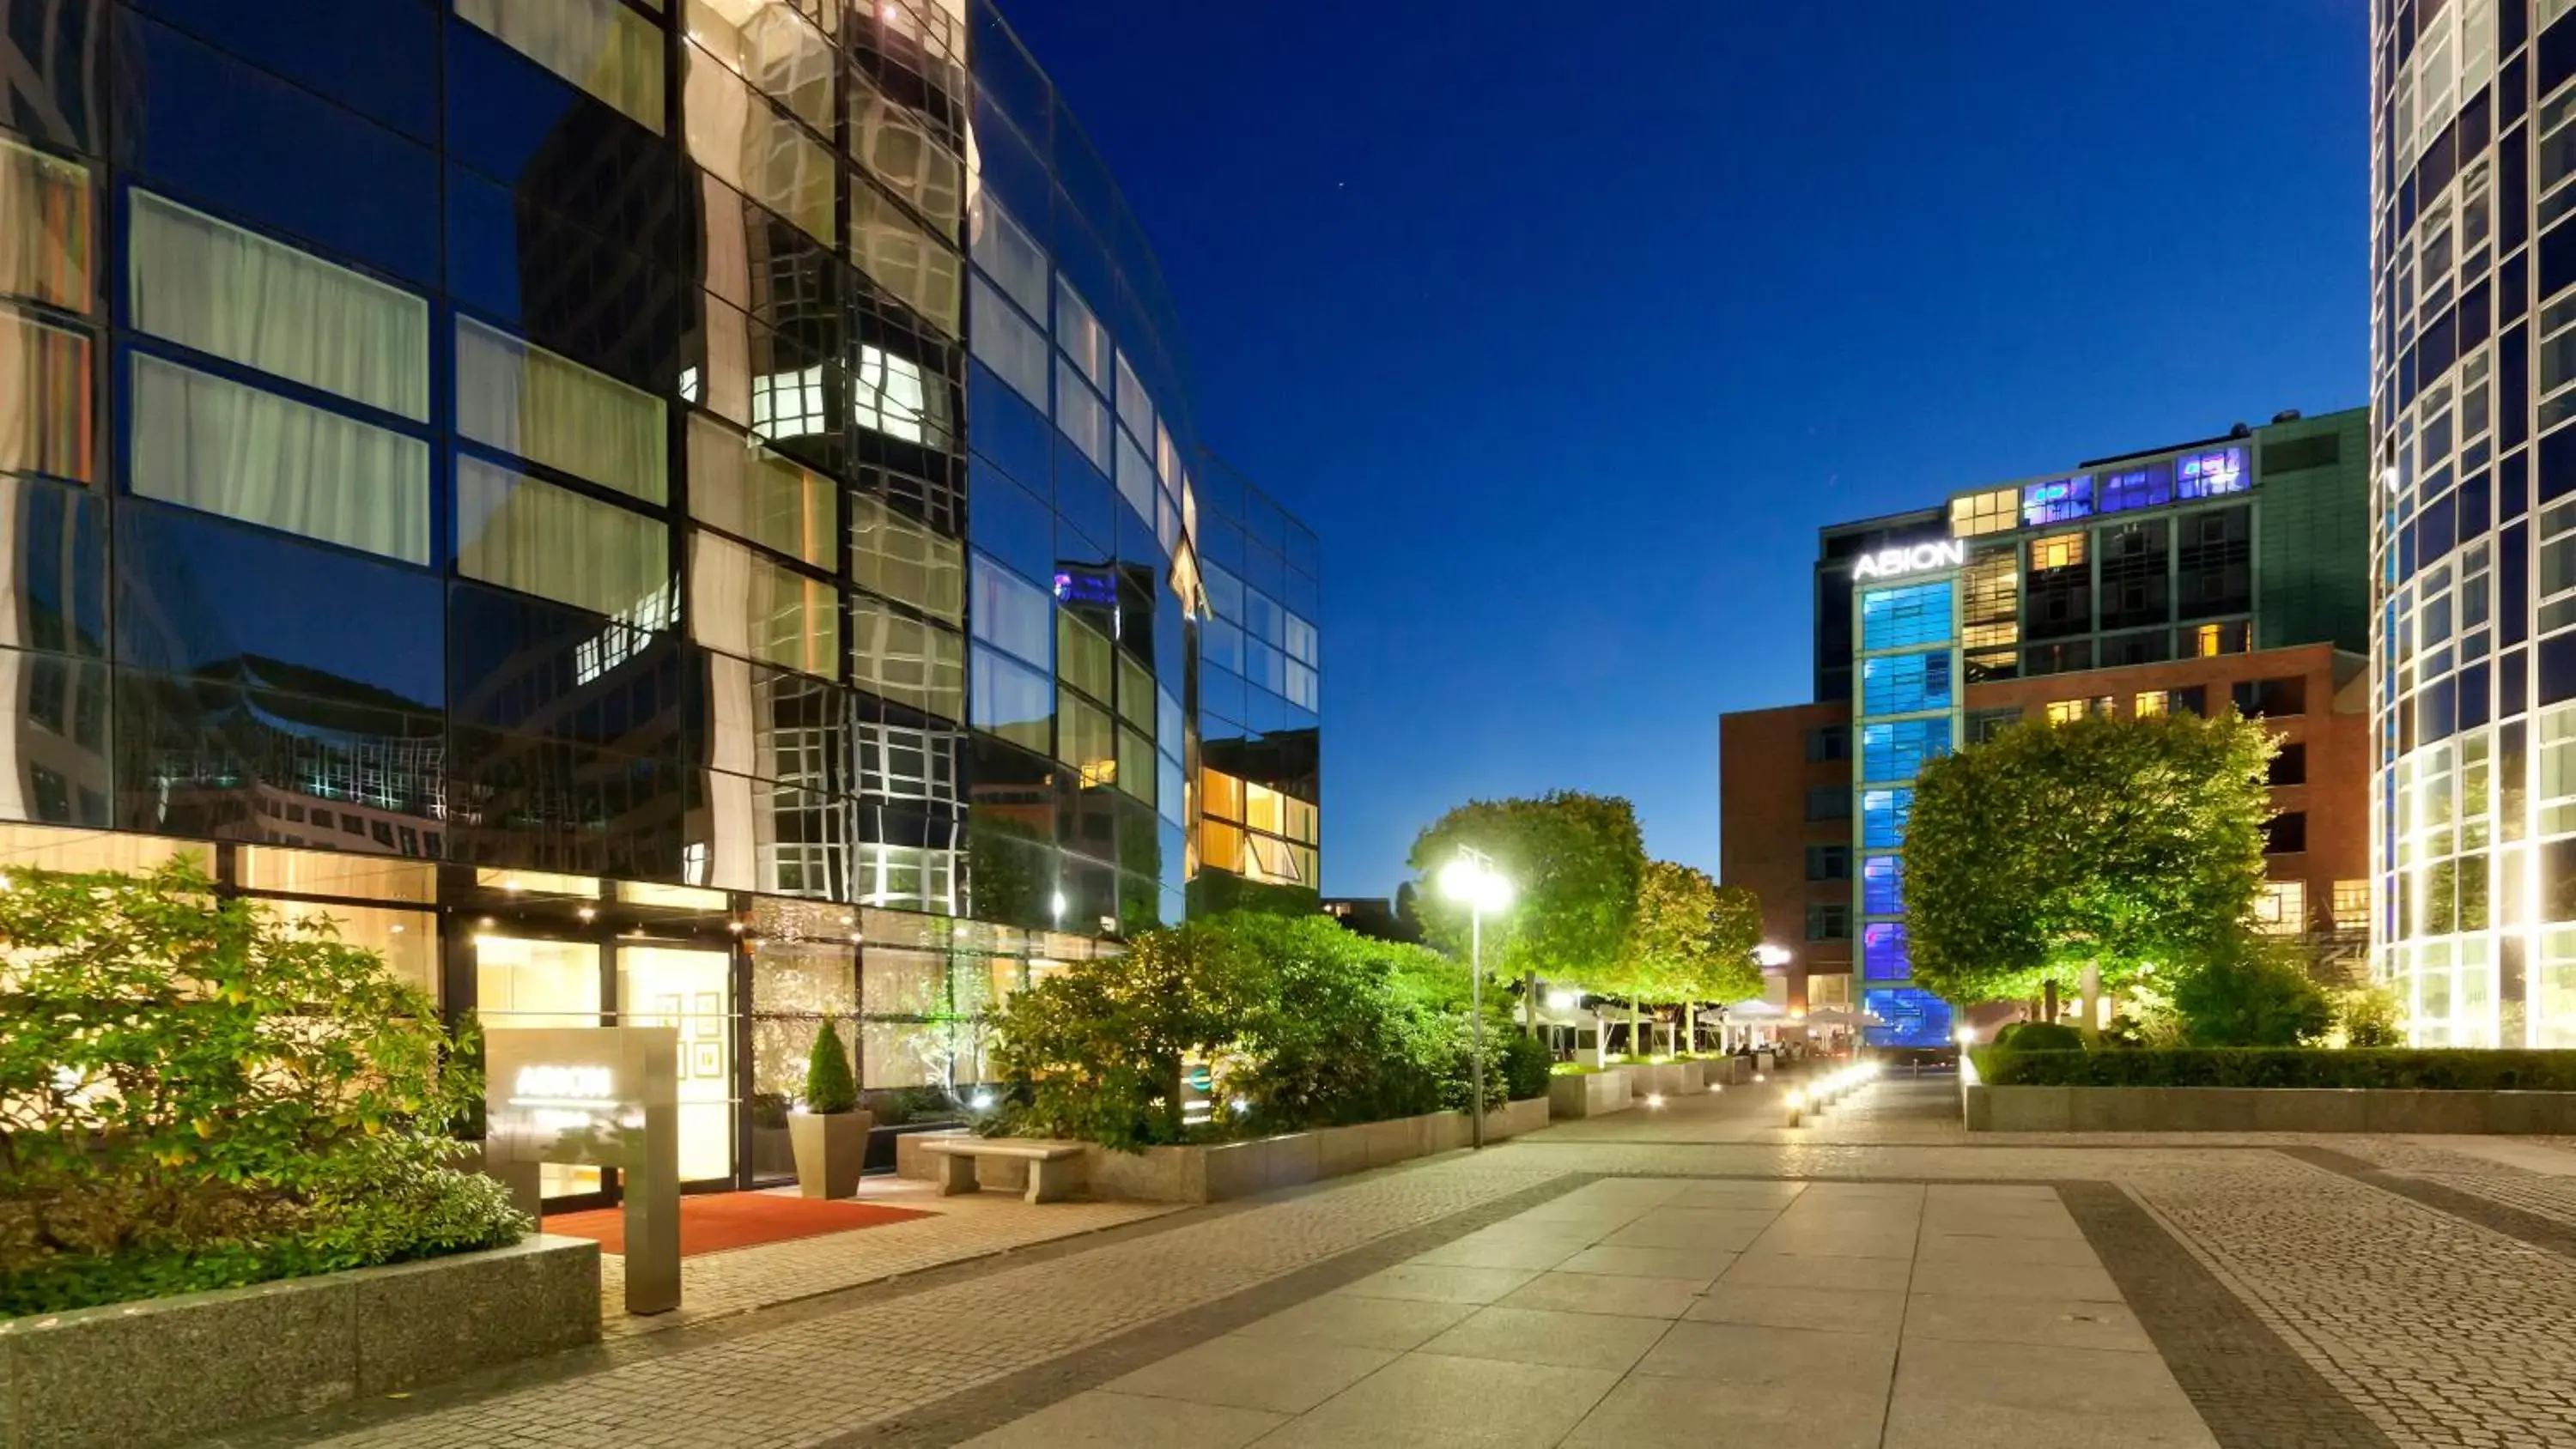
(1833, 1017)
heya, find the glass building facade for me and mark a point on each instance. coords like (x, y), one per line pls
(648, 511)
(2473, 633)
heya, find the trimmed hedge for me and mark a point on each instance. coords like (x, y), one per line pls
(2477, 1070)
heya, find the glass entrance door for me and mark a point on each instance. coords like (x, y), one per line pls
(691, 990)
(521, 983)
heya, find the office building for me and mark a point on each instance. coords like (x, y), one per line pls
(2229, 571)
(2473, 532)
(676, 511)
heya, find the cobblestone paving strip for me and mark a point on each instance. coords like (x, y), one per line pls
(2547, 1233)
(2253, 1390)
(962, 1416)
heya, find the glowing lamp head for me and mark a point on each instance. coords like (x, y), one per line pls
(1654, 1099)
(1768, 954)
(1474, 886)
(1967, 1036)
(1563, 1001)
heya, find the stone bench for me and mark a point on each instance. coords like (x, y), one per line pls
(1054, 1167)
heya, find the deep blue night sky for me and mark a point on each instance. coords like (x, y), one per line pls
(1566, 325)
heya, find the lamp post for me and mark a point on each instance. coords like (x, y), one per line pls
(1472, 881)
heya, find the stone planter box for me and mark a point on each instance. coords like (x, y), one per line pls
(137, 1375)
(2266, 1109)
(1590, 1094)
(1223, 1171)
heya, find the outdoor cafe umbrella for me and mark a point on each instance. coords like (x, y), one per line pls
(1832, 1017)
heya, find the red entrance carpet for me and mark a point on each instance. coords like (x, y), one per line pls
(714, 1222)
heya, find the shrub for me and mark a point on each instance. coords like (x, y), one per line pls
(2412, 1069)
(2257, 994)
(830, 1089)
(2369, 1016)
(196, 1094)
(1526, 1064)
(2040, 1036)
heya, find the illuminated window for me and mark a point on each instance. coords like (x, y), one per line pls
(2207, 641)
(2056, 501)
(887, 394)
(1882, 952)
(514, 395)
(598, 45)
(2065, 711)
(2281, 907)
(1220, 794)
(2149, 703)
(920, 272)
(1989, 512)
(1086, 740)
(1896, 618)
(2212, 474)
(1897, 749)
(2352, 905)
(2148, 487)
(46, 254)
(2064, 551)
(1882, 885)
(1220, 846)
(901, 558)
(1905, 683)
(744, 489)
(1882, 816)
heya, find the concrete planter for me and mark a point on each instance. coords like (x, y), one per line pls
(1590, 1094)
(2266, 1109)
(1220, 1172)
(831, 1151)
(138, 1375)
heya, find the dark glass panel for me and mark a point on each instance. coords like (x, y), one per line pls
(775, 724)
(558, 149)
(58, 751)
(520, 666)
(1010, 525)
(50, 56)
(54, 539)
(211, 759)
(2214, 563)
(223, 602)
(1083, 495)
(209, 127)
(552, 805)
(378, 57)
(1009, 433)
(564, 286)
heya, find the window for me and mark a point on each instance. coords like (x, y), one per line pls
(1080, 334)
(1008, 254)
(2150, 703)
(745, 489)
(1828, 862)
(897, 148)
(1082, 656)
(1897, 750)
(2289, 766)
(1828, 921)
(2352, 905)
(1905, 683)
(906, 660)
(1882, 885)
(1882, 816)
(1013, 702)
(520, 398)
(1010, 613)
(2056, 502)
(45, 410)
(2066, 711)
(1900, 618)
(2285, 696)
(1993, 511)
(2208, 641)
(1985, 724)
(1829, 802)
(1081, 414)
(735, 135)
(219, 289)
(897, 555)
(1136, 765)
(743, 603)
(914, 269)
(218, 446)
(1828, 742)
(2281, 907)
(888, 395)
(2212, 474)
(1135, 693)
(1008, 343)
(45, 251)
(1085, 739)
(2148, 487)
(1135, 409)
(531, 536)
(598, 45)
(1882, 952)
(2064, 551)
(2286, 834)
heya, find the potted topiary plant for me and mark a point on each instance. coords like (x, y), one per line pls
(830, 1135)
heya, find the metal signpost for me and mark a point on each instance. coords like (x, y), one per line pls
(606, 1096)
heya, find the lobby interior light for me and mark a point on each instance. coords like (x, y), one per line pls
(1769, 954)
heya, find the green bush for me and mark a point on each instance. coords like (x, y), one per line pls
(2466, 1070)
(1526, 1064)
(2369, 1016)
(2257, 994)
(2040, 1036)
(197, 1094)
(830, 1089)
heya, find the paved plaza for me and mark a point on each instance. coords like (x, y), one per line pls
(1688, 1274)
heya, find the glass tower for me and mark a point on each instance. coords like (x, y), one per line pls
(2473, 539)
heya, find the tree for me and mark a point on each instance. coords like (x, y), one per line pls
(2118, 844)
(1575, 862)
(2258, 994)
(829, 1087)
(1691, 941)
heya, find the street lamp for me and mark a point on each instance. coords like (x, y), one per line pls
(1472, 881)
(1767, 954)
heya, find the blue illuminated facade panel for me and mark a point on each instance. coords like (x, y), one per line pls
(1908, 713)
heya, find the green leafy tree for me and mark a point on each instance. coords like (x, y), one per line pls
(829, 1086)
(2369, 1016)
(1575, 862)
(1344, 1028)
(2121, 844)
(196, 1093)
(1098, 1052)
(2258, 993)
(1691, 940)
